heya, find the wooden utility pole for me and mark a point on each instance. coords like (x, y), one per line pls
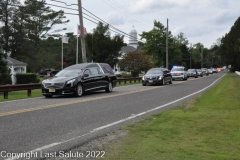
(167, 45)
(190, 56)
(84, 59)
(201, 57)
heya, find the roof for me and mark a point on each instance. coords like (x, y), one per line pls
(127, 49)
(11, 61)
(81, 66)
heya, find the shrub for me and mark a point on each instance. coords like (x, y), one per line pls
(24, 78)
(125, 75)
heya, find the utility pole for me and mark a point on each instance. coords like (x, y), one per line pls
(191, 56)
(84, 59)
(167, 45)
(201, 57)
(77, 51)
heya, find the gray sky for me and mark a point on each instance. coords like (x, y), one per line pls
(201, 21)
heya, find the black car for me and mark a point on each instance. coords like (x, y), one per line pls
(192, 73)
(157, 76)
(80, 78)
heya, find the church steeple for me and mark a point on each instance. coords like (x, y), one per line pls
(133, 38)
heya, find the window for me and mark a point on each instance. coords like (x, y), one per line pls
(94, 71)
(87, 72)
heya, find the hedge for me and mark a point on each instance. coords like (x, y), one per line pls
(24, 78)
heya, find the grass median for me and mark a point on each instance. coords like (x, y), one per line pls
(15, 95)
(205, 128)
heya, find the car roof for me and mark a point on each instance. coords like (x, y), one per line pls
(82, 66)
(158, 69)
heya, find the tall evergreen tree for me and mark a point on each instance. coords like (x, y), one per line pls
(101, 47)
(5, 77)
(230, 46)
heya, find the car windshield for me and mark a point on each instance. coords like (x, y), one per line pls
(69, 73)
(199, 70)
(177, 69)
(154, 71)
(191, 70)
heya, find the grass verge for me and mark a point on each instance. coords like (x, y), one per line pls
(15, 95)
(205, 128)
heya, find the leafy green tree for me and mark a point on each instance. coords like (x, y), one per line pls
(155, 45)
(25, 27)
(229, 48)
(103, 48)
(135, 62)
(179, 52)
(5, 77)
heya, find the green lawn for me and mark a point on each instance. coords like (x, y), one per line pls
(37, 93)
(207, 128)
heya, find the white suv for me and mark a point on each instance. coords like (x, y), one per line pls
(179, 72)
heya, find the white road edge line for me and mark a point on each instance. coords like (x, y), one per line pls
(117, 122)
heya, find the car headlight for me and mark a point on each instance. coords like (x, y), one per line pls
(70, 82)
(143, 78)
(160, 78)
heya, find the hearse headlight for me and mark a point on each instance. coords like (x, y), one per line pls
(70, 82)
(143, 78)
(160, 78)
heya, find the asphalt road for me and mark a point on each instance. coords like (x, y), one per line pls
(39, 125)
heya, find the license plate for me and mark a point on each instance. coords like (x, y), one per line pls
(150, 81)
(52, 89)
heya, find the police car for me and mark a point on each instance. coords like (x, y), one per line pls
(179, 73)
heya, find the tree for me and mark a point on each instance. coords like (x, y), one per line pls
(229, 48)
(7, 12)
(135, 62)
(179, 51)
(5, 77)
(25, 27)
(155, 45)
(102, 46)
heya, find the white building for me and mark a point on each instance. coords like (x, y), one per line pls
(131, 46)
(15, 67)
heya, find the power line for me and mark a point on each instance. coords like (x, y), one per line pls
(91, 17)
(98, 19)
(109, 24)
(129, 13)
(116, 3)
(63, 3)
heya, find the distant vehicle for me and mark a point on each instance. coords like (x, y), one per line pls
(179, 72)
(210, 71)
(205, 71)
(157, 76)
(45, 71)
(214, 70)
(80, 78)
(200, 72)
(192, 73)
(118, 74)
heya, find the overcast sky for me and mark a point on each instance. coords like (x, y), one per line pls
(201, 21)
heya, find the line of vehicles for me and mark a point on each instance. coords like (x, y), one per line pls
(86, 77)
(163, 75)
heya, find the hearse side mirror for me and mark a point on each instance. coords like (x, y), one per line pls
(86, 75)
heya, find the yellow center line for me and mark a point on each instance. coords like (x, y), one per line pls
(77, 101)
(72, 102)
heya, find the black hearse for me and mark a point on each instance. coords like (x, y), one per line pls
(80, 78)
